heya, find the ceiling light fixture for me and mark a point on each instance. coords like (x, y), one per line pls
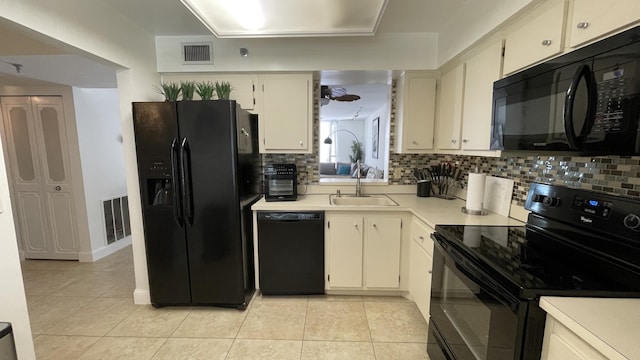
(278, 18)
(248, 13)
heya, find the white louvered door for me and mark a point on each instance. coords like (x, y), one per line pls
(39, 167)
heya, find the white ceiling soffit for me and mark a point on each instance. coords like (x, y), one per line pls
(278, 18)
(72, 70)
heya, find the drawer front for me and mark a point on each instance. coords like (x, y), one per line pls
(420, 233)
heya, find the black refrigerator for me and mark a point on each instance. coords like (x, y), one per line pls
(198, 166)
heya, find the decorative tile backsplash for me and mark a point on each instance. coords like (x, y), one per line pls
(612, 174)
(609, 174)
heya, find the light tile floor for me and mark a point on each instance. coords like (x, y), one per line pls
(85, 311)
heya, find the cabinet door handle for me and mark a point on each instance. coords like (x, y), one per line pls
(453, 141)
(301, 143)
(430, 271)
(355, 225)
(421, 238)
(583, 25)
(414, 142)
(465, 141)
(375, 226)
(58, 188)
(546, 42)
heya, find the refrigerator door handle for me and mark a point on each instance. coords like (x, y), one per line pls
(177, 202)
(187, 196)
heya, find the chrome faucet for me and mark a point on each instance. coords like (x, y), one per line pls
(358, 185)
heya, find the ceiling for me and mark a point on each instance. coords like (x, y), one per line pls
(45, 61)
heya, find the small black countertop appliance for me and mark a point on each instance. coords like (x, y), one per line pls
(487, 280)
(280, 182)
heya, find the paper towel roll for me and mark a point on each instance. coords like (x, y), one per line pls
(475, 192)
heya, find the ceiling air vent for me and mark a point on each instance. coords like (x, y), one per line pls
(197, 53)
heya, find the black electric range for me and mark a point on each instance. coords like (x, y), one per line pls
(487, 280)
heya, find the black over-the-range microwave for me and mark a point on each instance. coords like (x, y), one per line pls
(587, 101)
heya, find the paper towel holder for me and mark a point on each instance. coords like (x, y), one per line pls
(474, 212)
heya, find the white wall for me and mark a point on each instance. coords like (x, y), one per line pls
(383, 138)
(345, 140)
(390, 51)
(102, 156)
(95, 30)
(13, 304)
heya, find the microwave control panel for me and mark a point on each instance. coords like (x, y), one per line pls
(614, 96)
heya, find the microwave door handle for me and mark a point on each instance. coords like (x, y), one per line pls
(177, 203)
(576, 141)
(187, 196)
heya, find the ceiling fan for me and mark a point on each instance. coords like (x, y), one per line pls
(335, 93)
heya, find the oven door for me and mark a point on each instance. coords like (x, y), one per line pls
(471, 315)
(280, 187)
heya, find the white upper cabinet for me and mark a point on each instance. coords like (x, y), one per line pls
(416, 112)
(480, 73)
(285, 113)
(450, 108)
(591, 19)
(539, 38)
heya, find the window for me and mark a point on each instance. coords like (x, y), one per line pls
(354, 125)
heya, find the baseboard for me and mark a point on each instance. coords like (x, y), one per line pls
(105, 251)
(141, 297)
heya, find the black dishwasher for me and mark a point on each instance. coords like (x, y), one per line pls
(291, 252)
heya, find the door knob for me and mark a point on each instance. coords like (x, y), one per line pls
(58, 188)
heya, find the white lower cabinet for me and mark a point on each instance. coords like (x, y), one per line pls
(420, 266)
(363, 251)
(560, 343)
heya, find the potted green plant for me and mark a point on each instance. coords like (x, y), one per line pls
(187, 87)
(170, 91)
(223, 89)
(205, 90)
(356, 151)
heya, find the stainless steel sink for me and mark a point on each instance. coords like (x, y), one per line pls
(367, 200)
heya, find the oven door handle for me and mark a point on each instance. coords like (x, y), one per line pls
(475, 274)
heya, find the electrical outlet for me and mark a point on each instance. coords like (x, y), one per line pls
(397, 173)
(309, 176)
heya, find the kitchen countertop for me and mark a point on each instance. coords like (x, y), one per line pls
(433, 211)
(611, 326)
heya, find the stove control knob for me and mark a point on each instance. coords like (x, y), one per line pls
(632, 221)
(537, 198)
(550, 201)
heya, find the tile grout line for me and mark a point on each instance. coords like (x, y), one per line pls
(366, 315)
(304, 328)
(158, 349)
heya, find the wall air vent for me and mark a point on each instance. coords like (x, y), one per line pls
(197, 53)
